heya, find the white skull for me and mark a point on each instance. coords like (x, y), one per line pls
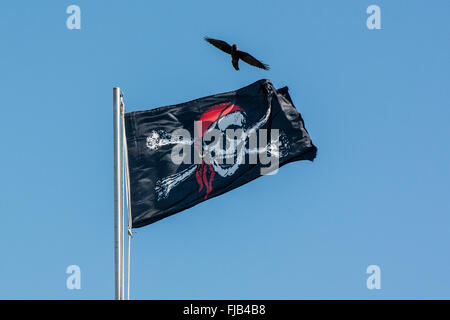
(225, 153)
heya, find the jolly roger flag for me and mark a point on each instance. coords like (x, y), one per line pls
(181, 155)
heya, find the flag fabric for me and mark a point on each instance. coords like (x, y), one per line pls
(181, 155)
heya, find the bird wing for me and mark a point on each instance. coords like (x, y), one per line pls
(244, 56)
(222, 45)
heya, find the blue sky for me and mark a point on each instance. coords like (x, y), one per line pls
(376, 103)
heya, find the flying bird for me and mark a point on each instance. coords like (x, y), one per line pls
(237, 54)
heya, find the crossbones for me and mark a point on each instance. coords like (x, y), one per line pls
(214, 154)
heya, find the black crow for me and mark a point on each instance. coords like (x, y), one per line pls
(236, 54)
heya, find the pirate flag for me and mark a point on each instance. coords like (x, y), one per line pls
(181, 155)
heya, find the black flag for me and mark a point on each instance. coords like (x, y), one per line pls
(181, 155)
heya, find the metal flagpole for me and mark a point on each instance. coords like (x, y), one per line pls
(117, 199)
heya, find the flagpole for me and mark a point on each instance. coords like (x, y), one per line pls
(117, 199)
